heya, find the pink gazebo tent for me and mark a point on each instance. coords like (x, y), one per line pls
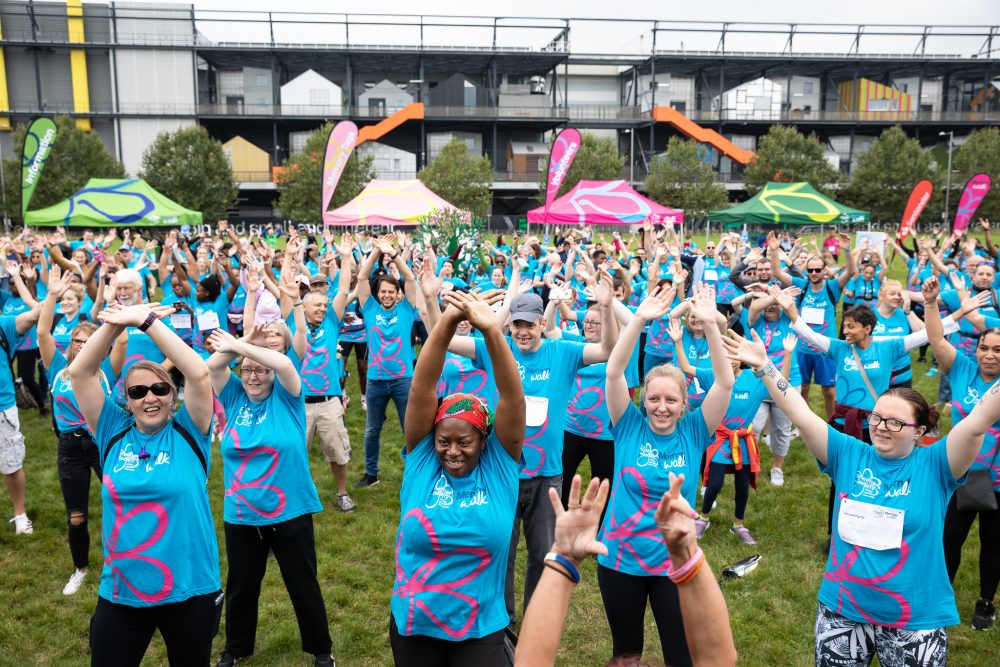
(388, 203)
(604, 203)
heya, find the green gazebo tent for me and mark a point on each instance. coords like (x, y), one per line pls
(111, 202)
(787, 204)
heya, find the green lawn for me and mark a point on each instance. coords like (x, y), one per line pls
(772, 610)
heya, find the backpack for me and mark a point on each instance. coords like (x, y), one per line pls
(22, 397)
(177, 427)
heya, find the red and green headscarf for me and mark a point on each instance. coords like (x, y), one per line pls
(468, 408)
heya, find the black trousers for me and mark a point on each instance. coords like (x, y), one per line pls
(27, 369)
(625, 597)
(423, 651)
(717, 477)
(294, 547)
(77, 457)
(600, 452)
(957, 524)
(119, 634)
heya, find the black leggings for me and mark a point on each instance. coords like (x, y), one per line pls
(119, 634)
(625, 597)
(716, 479)
(27, 369)
(424, 651)
(957, 524)
(361, 355)
(77, 457)
(600, 452)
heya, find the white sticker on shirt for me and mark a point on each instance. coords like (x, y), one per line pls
(710, 276)
(208, 320)
(536, 410)
(181, 320)
(813, 315)
(870, 526)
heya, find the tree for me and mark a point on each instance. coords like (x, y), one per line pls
(788, 156)
(597, 160)
(980, 153)
(299, 183)
(680, 178)
(76, 157)
(886, 173)
(463, 180)
(191, 168)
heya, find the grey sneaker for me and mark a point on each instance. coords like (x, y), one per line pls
(700, 526)
(743, 533)
(367, 480)
(345, 503)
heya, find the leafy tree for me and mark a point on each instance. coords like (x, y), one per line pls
(76, 157)
(788, 156)
(680, 178)
(979, 154)
(191, 168)
(299, 184)
(461, 179)
(885, 176)
(597, 160)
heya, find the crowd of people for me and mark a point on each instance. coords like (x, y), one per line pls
(666, 365)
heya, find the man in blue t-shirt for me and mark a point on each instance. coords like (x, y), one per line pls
(548, 368)
(12, 327)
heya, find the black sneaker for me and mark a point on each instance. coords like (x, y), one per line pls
(367, 480)
(325, 661)
(985, 614)
(226, 660)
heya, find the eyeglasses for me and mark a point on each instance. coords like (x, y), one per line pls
(591, 323)
(894, 425)
(814, 270)
(257, 372)
(78, 341)
(138, 391)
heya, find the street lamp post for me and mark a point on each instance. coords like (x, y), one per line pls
(947, 190)
(631, 155)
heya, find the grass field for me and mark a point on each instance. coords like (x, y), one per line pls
(772, 610)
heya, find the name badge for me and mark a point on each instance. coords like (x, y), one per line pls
(536, 409)
(710, 276)
(813, 315)
(180, 320)
(208, 321)
(870, 526)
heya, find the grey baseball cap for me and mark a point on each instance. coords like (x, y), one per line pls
(527, 307)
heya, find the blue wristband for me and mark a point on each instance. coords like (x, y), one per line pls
(566, 563)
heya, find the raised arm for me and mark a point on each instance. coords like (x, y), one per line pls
(596, 353)
(83, 373)
(676, 332)
(228, 348)
(364, 288)
(422, 406)
(47, 344)
(774, 256)
(812, 427)
(346, 251)
(713, 408)
(944, 351)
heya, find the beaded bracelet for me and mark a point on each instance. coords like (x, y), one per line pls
(566, 563)
(680, 575)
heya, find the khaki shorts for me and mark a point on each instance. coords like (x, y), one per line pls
(327, 421)
(11, 442)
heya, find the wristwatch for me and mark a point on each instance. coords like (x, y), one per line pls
(763, 370)
(148, 322)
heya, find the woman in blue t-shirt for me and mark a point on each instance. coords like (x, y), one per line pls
(970, 381)
(650, 443)
(885, 590)
(896, 319)
(77, 453)
(161, 558)
(457, 504)
(270, 495)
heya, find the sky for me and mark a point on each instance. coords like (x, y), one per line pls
(624, 38)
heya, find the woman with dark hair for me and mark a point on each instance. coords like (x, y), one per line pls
(886, 589)
(161, 558)
(77, 453)
(211, 310)
(457, 504)
(970, 381)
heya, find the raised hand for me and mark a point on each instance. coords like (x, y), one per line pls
(133, 316)
(675, 330)
(985, 224)
(430, 283)
(675, 519)
(346, 245)
(222, 340)
(789, 342)
(576, 528)
(843, 241)
(746, 350)
(930, 289)
(656, 305)
(703, 304)
(477, 310)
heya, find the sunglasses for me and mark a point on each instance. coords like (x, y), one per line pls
(139, 391)
(814, 270)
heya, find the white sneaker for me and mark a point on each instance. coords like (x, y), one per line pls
(777, 477)
(75, 581)
(22, 524)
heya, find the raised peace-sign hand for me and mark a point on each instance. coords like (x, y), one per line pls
(745, 350)
(675, 519)
(576, 527)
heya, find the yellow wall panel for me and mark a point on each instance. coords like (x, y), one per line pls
(78, 63)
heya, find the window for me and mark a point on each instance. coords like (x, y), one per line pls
(262, 80)
(883, 105)
(470, 144)
(376, 106)
(397, 164)
(807, 87)
(319, 98)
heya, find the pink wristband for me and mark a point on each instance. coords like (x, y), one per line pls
(686, 567)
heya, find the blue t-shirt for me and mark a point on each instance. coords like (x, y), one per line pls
(967, 387)
(321, 368)
(452, 544)
(468, 376)
(390, 347)
(698, 355)
(748, 393)
(905, 587)
(264, 465)
(822, 301)
(865, 291)
(156, 523)
(897, 325)
(643, 461)
(877, 359)
(8, 329)
(352, 328)
(772, 334)
(220, 307)
(14, 306)
(588, 409)
(62, 331)
(966, 337)
(64, 406)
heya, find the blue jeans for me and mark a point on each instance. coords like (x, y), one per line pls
(377, 398)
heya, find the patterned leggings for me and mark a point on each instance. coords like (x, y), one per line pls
(841, 642)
